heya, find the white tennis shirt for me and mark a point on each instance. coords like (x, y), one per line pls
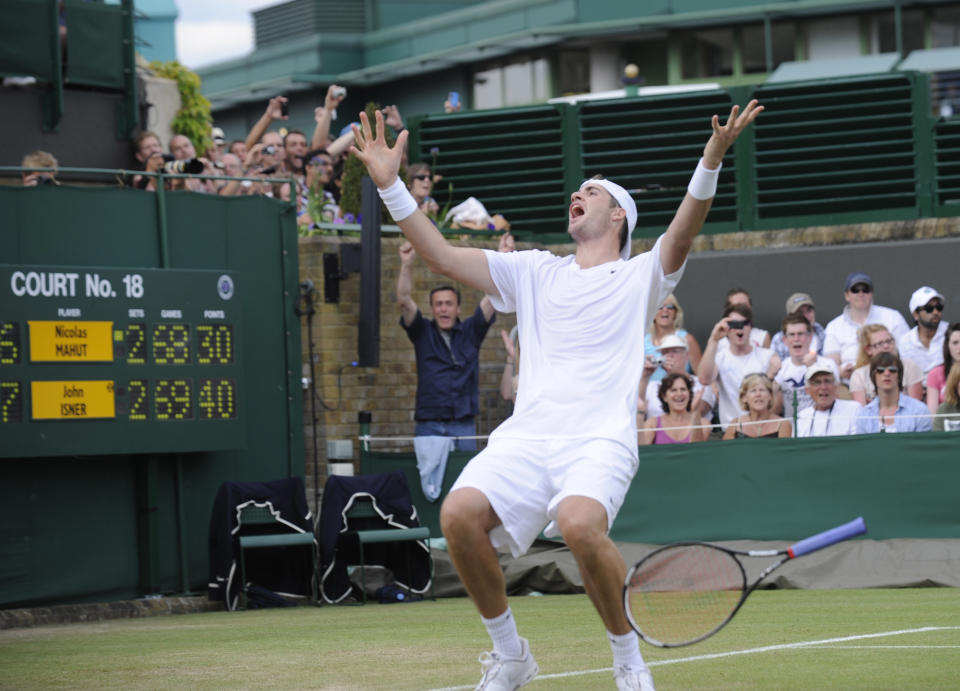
(581, 335)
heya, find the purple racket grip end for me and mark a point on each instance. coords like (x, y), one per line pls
(829, 537)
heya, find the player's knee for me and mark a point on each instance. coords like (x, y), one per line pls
(463, 511)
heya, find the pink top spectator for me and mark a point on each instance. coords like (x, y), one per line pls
(662, 437)
(937, 380)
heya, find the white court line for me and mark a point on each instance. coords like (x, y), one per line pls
(747, 651)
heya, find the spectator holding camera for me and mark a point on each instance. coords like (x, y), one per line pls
(148, 151)
(668, 321)
(729, 366)
(38, 159)
(673, 357)
(182, 149)
(273, 152)
(891, 410)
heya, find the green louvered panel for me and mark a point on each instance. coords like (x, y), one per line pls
(282, 22)
(835, 147)
(511, 160)
(651, 146)
(947, 150)
(307, 17)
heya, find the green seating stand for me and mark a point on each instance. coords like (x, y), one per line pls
(255, 514)
(363, 508)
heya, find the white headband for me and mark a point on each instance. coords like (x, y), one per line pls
(625, 201)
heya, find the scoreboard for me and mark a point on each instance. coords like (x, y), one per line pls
(107, 360)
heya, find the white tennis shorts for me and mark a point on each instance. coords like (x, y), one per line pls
(525, 480)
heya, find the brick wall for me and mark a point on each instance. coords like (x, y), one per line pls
(387, 391)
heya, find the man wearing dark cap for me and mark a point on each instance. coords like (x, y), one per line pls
(841, 333)
(803, 304)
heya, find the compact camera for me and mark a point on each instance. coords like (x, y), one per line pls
(340, 92)
(656, 360)
(270, 150)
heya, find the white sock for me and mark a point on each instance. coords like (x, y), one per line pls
(503, 633)
(626, 649)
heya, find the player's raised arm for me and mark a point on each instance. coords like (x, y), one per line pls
(703, 186)
(465, 264)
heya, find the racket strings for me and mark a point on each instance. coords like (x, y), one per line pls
(682, 593)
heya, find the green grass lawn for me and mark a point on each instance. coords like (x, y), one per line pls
(431, 645)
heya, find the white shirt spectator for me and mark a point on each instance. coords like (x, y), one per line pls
(910, 347)
(757, 338)
(731, 369)
(792, 377)
(841, 332)
(839, 420)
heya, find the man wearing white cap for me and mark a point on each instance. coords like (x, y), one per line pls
(674, 351)
(828, 416)
(562, 463)
(924, 342)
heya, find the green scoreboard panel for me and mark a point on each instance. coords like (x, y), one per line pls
(99, 361)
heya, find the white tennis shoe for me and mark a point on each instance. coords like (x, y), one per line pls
(633, 678)
(508, 673)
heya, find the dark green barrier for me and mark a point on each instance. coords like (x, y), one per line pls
(769, 489)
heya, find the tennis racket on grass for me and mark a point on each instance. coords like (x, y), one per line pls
(682, 593)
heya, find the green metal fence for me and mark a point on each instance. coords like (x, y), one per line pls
(824, 152)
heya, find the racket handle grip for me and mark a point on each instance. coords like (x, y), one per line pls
(829, 537)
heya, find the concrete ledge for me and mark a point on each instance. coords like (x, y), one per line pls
(99, 611)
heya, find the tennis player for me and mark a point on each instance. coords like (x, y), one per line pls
(566, 457)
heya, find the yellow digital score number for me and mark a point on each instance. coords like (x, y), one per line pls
(71, 341)
(171, 344)
(217, 399)
(72, 400)
(173, 399)
(215, 344)
(9, 343)
(11, 402)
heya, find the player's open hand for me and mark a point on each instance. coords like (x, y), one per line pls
(725, 135)
(370, 146)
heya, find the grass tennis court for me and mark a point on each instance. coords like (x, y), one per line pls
(890, 639)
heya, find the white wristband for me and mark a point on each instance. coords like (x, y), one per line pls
(400, 203)
(703, 184)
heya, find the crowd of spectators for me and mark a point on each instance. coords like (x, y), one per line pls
(866, 372)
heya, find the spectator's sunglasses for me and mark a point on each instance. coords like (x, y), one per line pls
(892, 369)
(320, 162)
(667, 306)
(861, 288)
(421, 177)
(935, 307)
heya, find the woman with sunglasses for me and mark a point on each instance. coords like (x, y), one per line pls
(937, 379)
(875, 338)
(669, 320)
(421, 187)
(891, 410)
